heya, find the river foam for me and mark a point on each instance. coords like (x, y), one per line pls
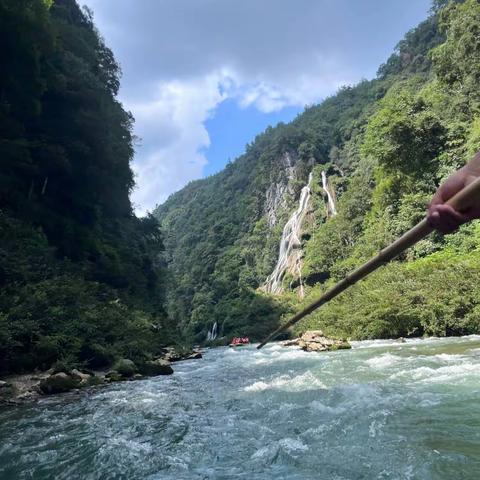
(385, 409)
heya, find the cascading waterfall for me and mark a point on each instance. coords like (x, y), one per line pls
(212, 334)
(331, 210)
(289, 255)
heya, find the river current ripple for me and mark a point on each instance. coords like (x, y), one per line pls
(383, 410)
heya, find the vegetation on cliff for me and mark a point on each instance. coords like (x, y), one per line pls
(386, 144)
(80, 277)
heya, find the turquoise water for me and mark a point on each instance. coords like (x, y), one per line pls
(383, 410)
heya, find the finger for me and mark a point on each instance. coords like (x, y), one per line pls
(443, 224)
(439, 222)
(448, 211)
(445, 219)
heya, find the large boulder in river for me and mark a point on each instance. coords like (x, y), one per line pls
(175, 355)
(157, 367)
(316, 341)
(58, 383)
(83, 378)
(125, 367)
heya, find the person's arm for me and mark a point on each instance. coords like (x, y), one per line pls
(445, 218)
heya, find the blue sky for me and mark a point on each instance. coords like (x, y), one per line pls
(231, 128)
(203, 77)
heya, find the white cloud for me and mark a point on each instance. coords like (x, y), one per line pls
(175, 118)
(181, 58)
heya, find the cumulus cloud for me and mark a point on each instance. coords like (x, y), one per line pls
(182, 58)
(172, 120)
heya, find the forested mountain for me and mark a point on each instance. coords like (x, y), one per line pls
(83, 281)
(80, 277)
(383, 145)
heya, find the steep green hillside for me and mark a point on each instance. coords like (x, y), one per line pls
(80, 280)
(385, 145)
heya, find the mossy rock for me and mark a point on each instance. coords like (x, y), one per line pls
(125, 367)
(7, 390)
(113, 376)
(157, 367)
(93, 381)
(341, 346)
(58, 383)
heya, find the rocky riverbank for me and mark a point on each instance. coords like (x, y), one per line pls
(16, 389)
(316, 341)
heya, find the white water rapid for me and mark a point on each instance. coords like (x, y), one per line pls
(384, 410)
(331, 210)
(289, 255)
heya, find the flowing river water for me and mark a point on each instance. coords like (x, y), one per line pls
(383, 410)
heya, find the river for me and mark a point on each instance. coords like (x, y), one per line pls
(383, 410)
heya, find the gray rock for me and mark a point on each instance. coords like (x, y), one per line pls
(157, 367)
(316, 341)
(3, 384)
(83, 378)
(58, 383)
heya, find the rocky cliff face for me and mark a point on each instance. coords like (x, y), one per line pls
(280, 188)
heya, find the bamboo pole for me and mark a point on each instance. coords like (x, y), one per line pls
(460, 201)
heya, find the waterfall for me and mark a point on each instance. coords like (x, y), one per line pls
(212, 334)
(289, 255)
(331, 210)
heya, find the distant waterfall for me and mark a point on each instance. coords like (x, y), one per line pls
(289, 255)
(212, 334)
(331, 210)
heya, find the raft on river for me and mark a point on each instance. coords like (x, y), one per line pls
(239, 342)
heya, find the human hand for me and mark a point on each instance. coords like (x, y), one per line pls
(445, 218)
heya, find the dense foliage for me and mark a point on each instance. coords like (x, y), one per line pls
(82, 280)
(386, 145)
(80, 277)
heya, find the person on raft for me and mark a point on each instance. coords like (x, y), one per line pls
(445, 218)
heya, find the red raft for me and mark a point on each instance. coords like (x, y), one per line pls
(239, 342)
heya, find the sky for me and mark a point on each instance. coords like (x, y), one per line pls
(203, 77)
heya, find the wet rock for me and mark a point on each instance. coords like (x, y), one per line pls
(125, 367)
(157, 367)
(58, 383)
(83, 378)
(281, 186)
(316, 341)
(113, 376)
(7, 391)
(173, 355)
